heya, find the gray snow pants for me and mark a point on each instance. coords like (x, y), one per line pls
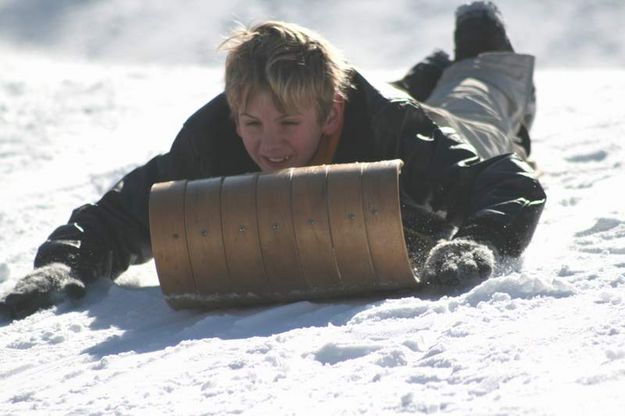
(485, 99)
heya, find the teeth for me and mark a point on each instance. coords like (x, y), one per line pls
(278, 159)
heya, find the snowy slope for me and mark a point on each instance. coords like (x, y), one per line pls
(549, 339)
(373, 33)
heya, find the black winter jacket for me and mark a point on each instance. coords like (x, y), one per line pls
(496, 201)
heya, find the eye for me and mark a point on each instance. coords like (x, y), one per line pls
(251, 123)
(290, 123)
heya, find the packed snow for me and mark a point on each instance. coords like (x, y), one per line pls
(546, 339)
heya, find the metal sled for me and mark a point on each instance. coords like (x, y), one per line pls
(302, 233)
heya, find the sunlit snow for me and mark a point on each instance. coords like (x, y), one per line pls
(548, 339)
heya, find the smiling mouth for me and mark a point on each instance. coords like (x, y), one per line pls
(278, 160)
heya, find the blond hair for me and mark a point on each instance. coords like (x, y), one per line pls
(297, 66)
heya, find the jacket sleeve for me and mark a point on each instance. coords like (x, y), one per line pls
(496, 201)
(103, 239)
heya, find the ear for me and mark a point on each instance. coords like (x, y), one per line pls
(335, 117)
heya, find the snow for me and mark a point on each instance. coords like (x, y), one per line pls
(575, 32)
(546, 339)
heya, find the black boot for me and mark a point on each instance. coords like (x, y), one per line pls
(421, 79)
(479, 28)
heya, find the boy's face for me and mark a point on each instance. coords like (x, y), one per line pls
(277, 140)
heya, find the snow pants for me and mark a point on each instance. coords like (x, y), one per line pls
(485, 99)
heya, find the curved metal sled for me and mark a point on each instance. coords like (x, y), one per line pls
(302, 233)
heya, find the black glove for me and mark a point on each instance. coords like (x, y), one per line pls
(43, 287)
(458, 262)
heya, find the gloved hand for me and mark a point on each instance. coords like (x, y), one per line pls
(43, 287)
(460, 262)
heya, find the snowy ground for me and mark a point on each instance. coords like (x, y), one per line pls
(548, 340)
(373, 33)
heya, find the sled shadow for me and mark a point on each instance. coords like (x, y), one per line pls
(153, 325)
(148, 324)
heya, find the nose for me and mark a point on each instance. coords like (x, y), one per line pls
(271, 140)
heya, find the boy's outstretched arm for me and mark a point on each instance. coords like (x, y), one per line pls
(495, 203)
(100, 240)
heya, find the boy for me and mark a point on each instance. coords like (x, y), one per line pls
(290, 100)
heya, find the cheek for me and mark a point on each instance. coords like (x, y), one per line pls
(249, 145)
(308, 140)
(250, 141)
(247, 135)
